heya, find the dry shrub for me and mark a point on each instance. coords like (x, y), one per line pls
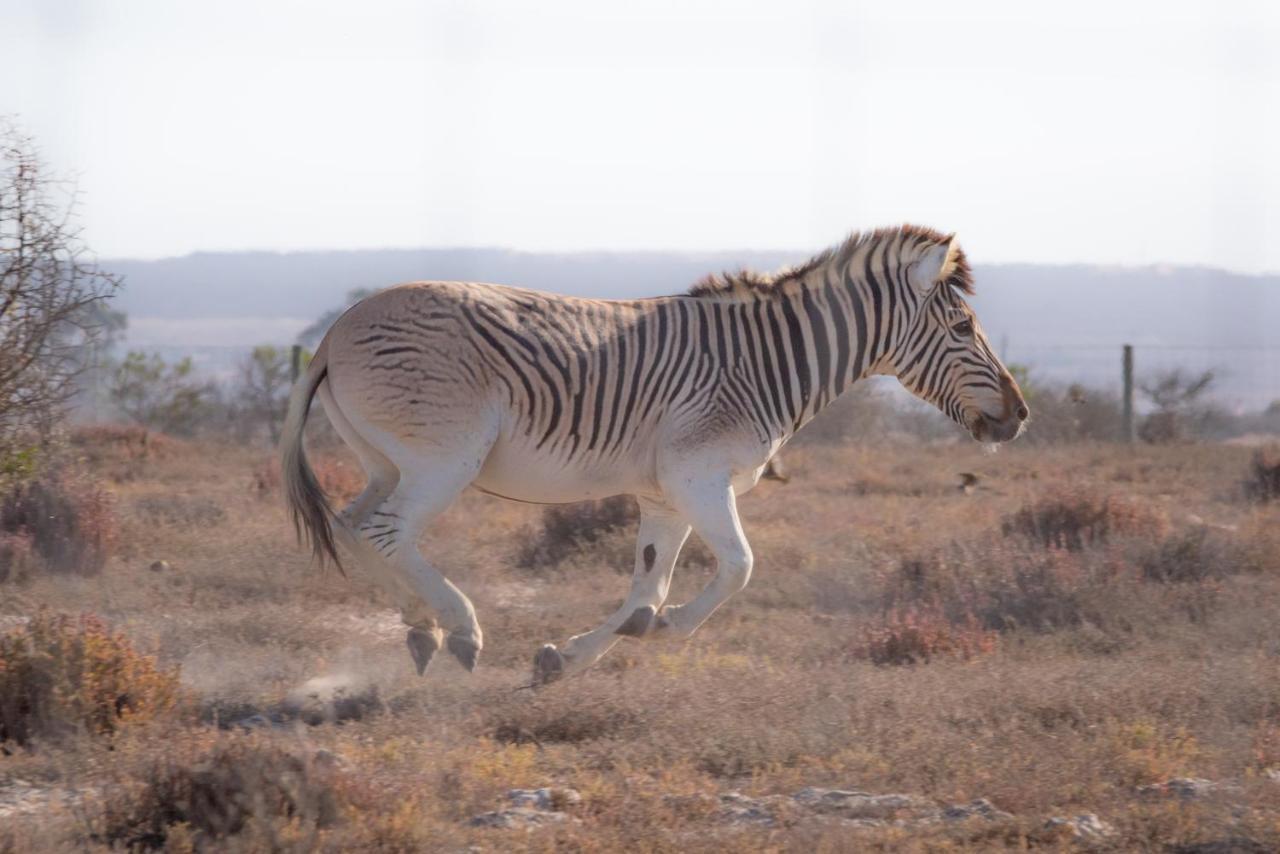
(1006, 589)
(1198, 555)
(569, 528)
(68, 520)
(60, 674)
(1076, 518)
(17, 555)
(572, 529)
(920, 636)
(121, 451)
(200, 799)
(1263, 483)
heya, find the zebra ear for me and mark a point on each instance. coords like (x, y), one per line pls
(931, 266)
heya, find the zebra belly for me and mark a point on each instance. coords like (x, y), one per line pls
(513, 470)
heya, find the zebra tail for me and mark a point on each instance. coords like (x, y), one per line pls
(308, 507)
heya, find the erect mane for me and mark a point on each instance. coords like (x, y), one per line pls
(747, 282)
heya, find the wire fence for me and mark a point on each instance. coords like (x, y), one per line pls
(1246, 378)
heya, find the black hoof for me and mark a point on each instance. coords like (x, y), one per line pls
(639, 623)
(422, 646)
(548, 665)
(464, 649)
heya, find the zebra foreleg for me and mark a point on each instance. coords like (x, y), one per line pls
(710, 506)
(662, 533)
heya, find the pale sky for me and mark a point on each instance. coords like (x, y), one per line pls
(1100, 132)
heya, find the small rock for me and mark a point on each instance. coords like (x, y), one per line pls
(160, 566)
(861, 805)
(258, 721)
(1086, 826)
(328, 759)
(517, 817)
(737, 808)
(979, 808)
(1183, 787)
(545, 798)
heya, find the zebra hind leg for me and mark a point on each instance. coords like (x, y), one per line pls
(662, 534)
(424, 637)
(393, 531)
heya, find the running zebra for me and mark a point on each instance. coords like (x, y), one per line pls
(680, 401)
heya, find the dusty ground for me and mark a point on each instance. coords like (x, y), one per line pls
(1049, 682)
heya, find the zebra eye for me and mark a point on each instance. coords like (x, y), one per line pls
(964, 328)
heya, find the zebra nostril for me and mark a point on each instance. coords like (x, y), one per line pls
(1023, 412)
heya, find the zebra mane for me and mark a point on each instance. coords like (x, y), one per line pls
(744, 283)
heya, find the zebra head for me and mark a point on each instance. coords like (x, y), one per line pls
(943, 356)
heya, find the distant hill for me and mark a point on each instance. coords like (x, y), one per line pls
(1067, 321)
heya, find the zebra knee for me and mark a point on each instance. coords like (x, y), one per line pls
(733, 569)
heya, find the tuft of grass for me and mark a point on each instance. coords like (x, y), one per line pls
(60, 675)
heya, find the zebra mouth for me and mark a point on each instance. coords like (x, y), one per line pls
(984, 428)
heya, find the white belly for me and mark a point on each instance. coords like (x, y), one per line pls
(516, 470)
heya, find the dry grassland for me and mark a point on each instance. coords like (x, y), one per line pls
(1083, 622)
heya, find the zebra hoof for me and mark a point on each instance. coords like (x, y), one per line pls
(423, 644)
(548, 665)
(639, 623)
(465, 650)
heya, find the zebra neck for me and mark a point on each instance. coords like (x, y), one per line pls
(822, 335)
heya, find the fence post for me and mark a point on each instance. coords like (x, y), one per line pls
(1130, 434)
(295, 363)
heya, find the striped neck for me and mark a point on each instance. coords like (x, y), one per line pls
(821, 330)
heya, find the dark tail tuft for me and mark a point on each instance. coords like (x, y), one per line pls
(308, 507)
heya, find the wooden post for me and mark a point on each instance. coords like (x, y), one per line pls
(295, 363)
(1130, 433)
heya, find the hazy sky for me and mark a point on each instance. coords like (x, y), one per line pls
(1108, 132)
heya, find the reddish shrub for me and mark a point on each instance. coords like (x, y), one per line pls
(68, 519)
(342, 481)
(917, 637)
(121, 448)
(59, 674)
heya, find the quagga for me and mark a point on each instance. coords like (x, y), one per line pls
(680, 401)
